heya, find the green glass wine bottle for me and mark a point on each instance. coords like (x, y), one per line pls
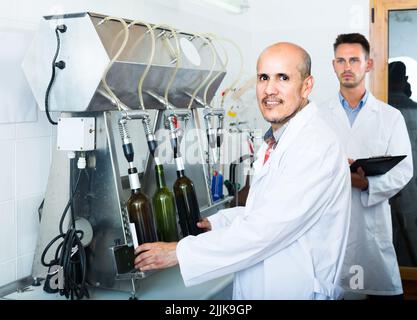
(186, 200)
(164, 206)
(140, 212)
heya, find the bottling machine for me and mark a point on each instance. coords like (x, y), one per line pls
(84, 70)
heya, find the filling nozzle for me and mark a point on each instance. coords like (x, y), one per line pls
(150, 137)
(211, 137)
(220, 135)
(127, 144)
(214, 137)
(172, 124)
(172, 121)
(220, 131)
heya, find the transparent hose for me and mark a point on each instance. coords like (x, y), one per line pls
(214, 60)
(120, 106)
(177, 56)
(227, 91)
(218, 74)
(151, 56)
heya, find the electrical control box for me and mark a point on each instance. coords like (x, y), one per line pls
(76, 134)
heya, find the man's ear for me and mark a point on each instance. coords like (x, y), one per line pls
(307, 86)
(334, 64)
(369, 64)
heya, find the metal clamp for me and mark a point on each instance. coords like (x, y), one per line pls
(211, 112)
(134, 114)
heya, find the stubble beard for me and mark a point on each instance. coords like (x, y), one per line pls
(351, 85)
(283, 120)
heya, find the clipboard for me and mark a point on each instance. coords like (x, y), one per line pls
(376, 165)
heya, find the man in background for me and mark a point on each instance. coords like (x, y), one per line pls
(367, 127)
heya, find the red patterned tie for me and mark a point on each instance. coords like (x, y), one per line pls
(271, 143)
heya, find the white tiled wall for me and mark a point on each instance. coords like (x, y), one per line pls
(27, 224)
(8, 235)
(24, 265)
(24, 168)
(31, 165)
(7, 170)
(8, 271)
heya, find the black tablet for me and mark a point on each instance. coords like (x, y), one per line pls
(376, 165)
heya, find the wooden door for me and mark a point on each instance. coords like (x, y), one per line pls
(393, 35)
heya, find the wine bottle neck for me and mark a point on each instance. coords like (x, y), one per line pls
(160, 176)
(180, 173)
(136, 191)
(134, 180)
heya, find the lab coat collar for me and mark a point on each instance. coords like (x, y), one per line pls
(370, 102)
(371, 106)
(369, 110)
(295, 125)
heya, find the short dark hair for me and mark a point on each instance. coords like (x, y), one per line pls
(353, 38)
(305, 65)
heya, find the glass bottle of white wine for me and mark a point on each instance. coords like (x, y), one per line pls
(164, 206)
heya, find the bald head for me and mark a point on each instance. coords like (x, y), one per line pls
(294, 51)
(283, 83)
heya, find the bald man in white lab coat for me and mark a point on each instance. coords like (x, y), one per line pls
(289, 241)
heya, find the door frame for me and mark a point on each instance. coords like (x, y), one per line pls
(379, 42)
(379, 10)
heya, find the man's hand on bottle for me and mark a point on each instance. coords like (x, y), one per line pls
(161, 255)
(204, 224)
(156, 255)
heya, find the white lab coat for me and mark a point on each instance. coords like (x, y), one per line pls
(379, 129)
(289, 240)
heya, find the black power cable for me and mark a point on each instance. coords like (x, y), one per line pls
(60, 64)
(70, 254)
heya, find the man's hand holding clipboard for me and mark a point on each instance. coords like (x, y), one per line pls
(361, 168)
(358, 178)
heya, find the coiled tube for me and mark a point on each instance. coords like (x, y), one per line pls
(150, 137)
(147, 126)
(124, 133)
(127, 144)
